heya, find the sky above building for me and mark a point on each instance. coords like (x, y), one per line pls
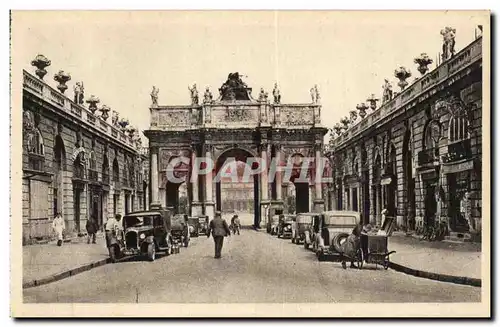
(120, 55)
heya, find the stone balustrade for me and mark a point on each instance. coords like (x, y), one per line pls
(48, 94)
(235, 114)
(469, 55)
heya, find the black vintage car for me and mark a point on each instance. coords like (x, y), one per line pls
(180, 229)
(147, 232)
(194, 226)
(285, 226)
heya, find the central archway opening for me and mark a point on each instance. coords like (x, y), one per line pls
(237, 187)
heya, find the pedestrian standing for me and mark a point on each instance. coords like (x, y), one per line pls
(111, 226)
(92, 228)
(58, 226)
(235, 223)
(219, 229)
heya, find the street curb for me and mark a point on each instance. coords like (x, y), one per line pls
(65, 274)
(476, 282)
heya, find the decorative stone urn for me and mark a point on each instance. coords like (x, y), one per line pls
(423, 61)
(131, 131)
(362, 107)
(40, 62)
(123, 124)
(402, 74)
(62, 78)
(345, 122)
(93, 101)
(338, 129)
(372, 100)
(105, 112)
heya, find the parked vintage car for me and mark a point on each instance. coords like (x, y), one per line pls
(301, 224)
(203, 225)
(272, 225)
(147, 232)
(180, 229)
(194, 226)
(330, 228)
(285, 226)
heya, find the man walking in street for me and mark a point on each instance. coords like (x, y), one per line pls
(235, 224)
(92, 228)
(219, 229)
(58, 226)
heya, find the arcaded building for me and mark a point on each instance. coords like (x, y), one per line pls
(77, 160)
(419, 153)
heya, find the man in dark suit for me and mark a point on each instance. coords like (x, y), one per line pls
(219, 229)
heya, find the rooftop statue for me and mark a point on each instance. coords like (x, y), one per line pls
(234, 88)
(315, 96)
(448, 34)
(387, 95)
(276, 94)
(207, 97)
(154, 96)
(194, 94)
(78, 93)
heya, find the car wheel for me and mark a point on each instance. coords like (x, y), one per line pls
(339, 241)
(151, 252)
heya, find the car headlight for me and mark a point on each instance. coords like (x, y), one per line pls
(119, 236)
(142, 236)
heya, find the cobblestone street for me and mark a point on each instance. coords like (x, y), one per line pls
(255, 267)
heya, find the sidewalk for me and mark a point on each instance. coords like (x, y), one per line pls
(444, 258)
(43, 261)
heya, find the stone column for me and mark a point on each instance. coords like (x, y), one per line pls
(264, 183)
(319, 202)
(209, 202)
(196, 207)
(279, 176)
(154, 178)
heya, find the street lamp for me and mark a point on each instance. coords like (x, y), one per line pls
(265, 214)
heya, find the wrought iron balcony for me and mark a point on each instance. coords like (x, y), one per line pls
(105, 178)
(78, 172)
(36, 162)
(93, 175)
(428, 156)
(458, 151)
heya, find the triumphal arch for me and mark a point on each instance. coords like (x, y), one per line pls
(235, 125)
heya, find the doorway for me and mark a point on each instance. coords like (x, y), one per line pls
(76, 204)
(355, 199)
(430, 203)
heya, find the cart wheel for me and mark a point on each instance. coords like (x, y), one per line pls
(386, 264)
(344, 265)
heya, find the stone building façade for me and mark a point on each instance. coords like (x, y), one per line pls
(420, 154)
(74, 161)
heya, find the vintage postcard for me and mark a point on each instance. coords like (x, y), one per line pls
(250, 163)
